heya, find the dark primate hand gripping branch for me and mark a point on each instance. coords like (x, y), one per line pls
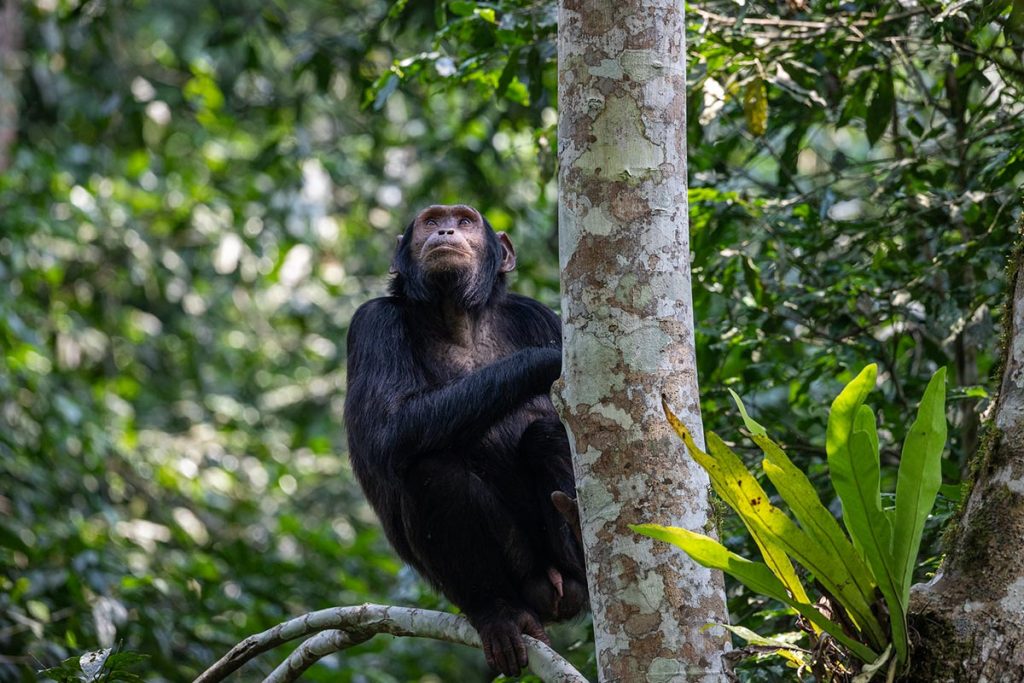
(454, 438)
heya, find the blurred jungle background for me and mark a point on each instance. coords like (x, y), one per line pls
(195, 196)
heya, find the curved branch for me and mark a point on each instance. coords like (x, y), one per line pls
(339, 628)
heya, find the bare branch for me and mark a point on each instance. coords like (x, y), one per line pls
(309, 653)
(861, 20)
(339, 628)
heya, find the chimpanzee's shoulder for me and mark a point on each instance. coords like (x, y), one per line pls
(381, 314)
(528, 317)
(528, 306)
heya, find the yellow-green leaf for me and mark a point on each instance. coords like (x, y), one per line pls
(740, 490)
(755, 106)
(755, 575)
(775, 533)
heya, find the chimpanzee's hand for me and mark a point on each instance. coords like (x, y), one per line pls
(503, 642)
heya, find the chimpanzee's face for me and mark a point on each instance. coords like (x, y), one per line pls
(449, 238)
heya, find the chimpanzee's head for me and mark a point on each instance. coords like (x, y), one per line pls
(451, 252)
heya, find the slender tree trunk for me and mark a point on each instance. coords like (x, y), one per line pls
(628, 320)
(10, 68)
(969, 620)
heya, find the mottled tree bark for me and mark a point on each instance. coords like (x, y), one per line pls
(968, 622)
(10, 69)
(628, 321)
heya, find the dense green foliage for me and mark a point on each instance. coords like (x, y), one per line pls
(200, 194)
(864, 574)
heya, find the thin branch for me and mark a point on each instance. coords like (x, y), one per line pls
(832, 22)
(339, 628)
(309, 653)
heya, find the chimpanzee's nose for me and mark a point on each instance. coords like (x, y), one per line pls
(445, 232)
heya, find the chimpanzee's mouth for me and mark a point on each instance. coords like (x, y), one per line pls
(448, 247)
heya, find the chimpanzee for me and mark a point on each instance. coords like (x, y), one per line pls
(454, 438)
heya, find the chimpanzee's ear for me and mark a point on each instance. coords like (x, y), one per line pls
(394, 259)
(508, 259)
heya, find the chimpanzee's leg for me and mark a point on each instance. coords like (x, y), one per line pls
(472, 546)
(546, 459)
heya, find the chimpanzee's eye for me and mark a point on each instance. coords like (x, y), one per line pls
(431, 221)
(464, 221)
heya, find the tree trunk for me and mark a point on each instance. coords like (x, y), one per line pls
(628, 321)
(10, 68)
(969, 620)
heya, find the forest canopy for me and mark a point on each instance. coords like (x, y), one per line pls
(195, 197)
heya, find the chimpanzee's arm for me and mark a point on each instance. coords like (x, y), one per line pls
(390, 412)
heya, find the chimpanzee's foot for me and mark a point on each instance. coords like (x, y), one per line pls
(503, 643)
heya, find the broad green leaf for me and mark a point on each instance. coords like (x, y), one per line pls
(798, 492)
(487, 14)
(852, 445)
(711, 553)
(875, 541)
(755, 575)
(920, 476)
(766, 523)
(865, 422)
(740, 490)
(777, 536)
(856, 481)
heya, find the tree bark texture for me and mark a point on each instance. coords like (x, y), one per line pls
(628, 336)
(969, 620)
(10, 69)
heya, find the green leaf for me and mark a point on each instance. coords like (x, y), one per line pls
(710, 553)
(752, 276)
(462, 8)
(740, 490)
(953, 492)
(776, 535)
(852, 445)
(754, 427)
(755, 575)
(508, 73)
(855, 481)
(385, 91)
(397, 8)
(755, 107)
(755, 638)
(920, 476)
(880, 110)
(798, 492)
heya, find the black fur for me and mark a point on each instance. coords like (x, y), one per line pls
(459, 459)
